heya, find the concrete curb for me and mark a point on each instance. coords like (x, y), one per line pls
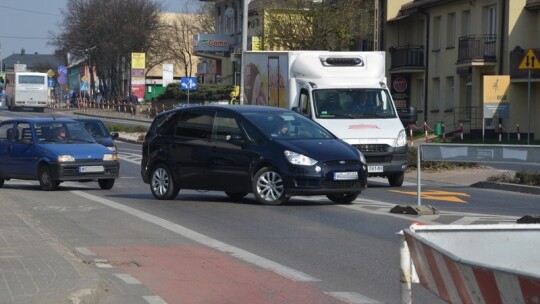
(508, 187)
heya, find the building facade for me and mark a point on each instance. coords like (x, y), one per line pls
(444, 49)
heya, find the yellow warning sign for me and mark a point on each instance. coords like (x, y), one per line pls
(530, 61)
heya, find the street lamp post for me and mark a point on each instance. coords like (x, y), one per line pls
(245, 4)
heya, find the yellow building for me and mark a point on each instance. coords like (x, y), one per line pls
(440, 51)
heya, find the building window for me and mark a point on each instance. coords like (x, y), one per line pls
(451, 30)
(436, 94)
(466, 23)
(436, 36)
(450, 93)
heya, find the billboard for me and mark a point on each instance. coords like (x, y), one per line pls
(496, 89)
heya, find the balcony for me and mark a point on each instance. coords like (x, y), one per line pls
(477, 48)
(410, 56)
(516, 56)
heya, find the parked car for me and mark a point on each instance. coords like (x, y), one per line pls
(240, 150)
(54, 150)
(99, 132)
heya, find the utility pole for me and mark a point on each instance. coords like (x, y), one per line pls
(245, 4)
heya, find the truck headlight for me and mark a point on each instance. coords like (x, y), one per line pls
(401, 139)
(299, 159)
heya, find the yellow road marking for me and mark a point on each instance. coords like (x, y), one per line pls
(436, 195)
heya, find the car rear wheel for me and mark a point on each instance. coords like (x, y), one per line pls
(162, 184)
(236, 195)
(343, 198)
(45, 178)
(396, 179)
(268, 187)
(106, 184)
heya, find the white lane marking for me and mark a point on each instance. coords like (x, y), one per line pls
(154, 300)
(241, 254)
(132, 159)
(126, 278)
(353, 298)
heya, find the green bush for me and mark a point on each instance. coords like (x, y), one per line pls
(204, 92)
(434, 166)
(125, 128)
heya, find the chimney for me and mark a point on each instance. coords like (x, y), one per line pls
(23, 51)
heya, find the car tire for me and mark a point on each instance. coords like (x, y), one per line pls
(45, 178)
(106, 184)
(162, 183)
(236, 195)
(396, 179)
(268, 187)
(343, 198)
(1, 182)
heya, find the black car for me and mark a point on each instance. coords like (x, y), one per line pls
(271, 152)
(99, 132)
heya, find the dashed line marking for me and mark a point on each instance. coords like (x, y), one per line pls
(154, 300)
(128, 279)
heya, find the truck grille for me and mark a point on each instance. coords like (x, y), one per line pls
(368, 148)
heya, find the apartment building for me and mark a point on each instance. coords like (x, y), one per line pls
(439, 52)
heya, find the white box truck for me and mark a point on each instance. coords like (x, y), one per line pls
(345, 92)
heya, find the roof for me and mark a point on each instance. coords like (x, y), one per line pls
(35, 61)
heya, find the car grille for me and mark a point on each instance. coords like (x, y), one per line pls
(369, 148)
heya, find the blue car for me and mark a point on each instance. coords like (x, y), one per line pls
(53, 150)
(99, 132)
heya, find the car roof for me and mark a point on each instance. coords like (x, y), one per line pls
(87, 119)
(235, 108)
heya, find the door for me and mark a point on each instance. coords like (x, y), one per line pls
(229, 166)
(22, 159)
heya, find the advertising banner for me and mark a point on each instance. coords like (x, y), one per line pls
(496, 101)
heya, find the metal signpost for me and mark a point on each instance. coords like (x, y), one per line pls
(188, 84)
(529, 62)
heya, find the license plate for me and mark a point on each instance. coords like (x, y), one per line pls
(91, 169)
(345, 175)
(372, 169)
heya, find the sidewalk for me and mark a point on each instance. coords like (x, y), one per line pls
(36, 268)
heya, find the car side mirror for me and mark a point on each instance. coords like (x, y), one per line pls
(411, 117)
(114, 135)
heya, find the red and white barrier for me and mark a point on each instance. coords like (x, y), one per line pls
(477, 263)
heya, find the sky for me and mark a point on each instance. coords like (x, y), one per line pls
(27, 23)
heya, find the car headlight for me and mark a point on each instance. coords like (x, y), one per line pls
(65, 158)
(362, 158)
(110, 156)
(113, 148)
(401, 139)
(299, 159)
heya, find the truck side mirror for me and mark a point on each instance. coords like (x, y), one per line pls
(411, 117)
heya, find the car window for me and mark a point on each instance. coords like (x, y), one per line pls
(195, 124)
(23, 133)
(298, 126)
(224, 126)
(64, 132)
(5, 131)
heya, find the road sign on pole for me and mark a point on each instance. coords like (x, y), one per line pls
(530, 61)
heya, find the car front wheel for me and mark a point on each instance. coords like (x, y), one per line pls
(343, 198)
(162, 184)
(268, 187)
(396, 179)
(106, 184)
(45, 178)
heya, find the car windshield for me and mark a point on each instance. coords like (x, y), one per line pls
(62, 132)
(96, 128)
(353, 103)
(288, 125)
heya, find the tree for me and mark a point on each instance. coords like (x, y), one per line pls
(106, 32)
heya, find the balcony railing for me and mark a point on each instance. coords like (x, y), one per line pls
(477, 48)
(411, 56)
(516, 56)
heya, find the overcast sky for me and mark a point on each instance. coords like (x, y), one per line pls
(26, 23)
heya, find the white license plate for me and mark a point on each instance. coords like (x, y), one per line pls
(91, 169)
(372, 169)
(345, 175)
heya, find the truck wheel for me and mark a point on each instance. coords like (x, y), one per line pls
(343, 198)
(396, 179)
(162, 183)
(268, 187)
(106, 184)
(45, 178)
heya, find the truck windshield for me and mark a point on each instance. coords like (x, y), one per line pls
(353, 103)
